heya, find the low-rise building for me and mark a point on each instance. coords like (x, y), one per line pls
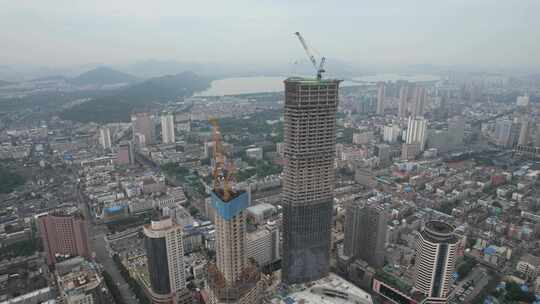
(529, 266)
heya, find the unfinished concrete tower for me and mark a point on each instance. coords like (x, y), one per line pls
(308, 182)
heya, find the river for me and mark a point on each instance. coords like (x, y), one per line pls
(257, 84)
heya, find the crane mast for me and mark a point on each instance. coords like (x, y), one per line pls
(222, 173)
(318, 67)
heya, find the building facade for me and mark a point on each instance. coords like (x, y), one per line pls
(167, 128)
(416, 132)
(263, 244)
(125, 154)
(308, 179)
(365, 232)
(144, 132)
(403, 105)
(165, 253)
(63, 234)
(506, 133)
(436, 248)
(105, 138)
(419, 102)
(380, 98)
(391, 133)
(523, 139)
(232, 279)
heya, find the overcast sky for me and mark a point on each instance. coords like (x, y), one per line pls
(442, 32)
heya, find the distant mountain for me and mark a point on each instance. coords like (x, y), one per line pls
(119, 106)
(156, 68)
(533, 77)
(103, 76)
(51, 78)
(167, 87)
(4, 83)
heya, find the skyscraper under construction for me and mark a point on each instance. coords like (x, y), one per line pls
(232, 278)
(308, 182)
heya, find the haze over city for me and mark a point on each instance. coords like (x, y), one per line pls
(478, 33)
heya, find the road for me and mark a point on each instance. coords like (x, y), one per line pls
(102, 255)
(97, 243)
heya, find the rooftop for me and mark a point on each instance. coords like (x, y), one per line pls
(439, 227)
(261, 208)
(531, 259)
(80, 277)
(311, 80)
(331, 289)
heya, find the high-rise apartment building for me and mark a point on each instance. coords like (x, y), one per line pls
(165, 252)
(63, 234)
(419, 102)
(403, 105)
(365, 232)
(380, 98)
(143, 127)
(435, 260)
(308, 179)
(167, 128)
(232, 279)
(105, 137)
(524, 132)
(456, 130)
(416, 132)
(506, 133)
(182, 122)
(391, 133)
(263, 244)
(125, 154)
(383, 152)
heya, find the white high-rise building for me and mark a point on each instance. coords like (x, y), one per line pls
(522, 101)
(506, 133)
(523, 139)
(105, 137)
(263, 245)
(380, 99)
(391, 133)
(167, 128)
(165, 253)
(416, 132)
(436, 249)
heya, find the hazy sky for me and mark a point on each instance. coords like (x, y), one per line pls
(446, 32)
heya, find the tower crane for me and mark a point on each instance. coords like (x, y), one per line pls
(318, 67)
(222, 173)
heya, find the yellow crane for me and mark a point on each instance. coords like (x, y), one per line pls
(223, 172)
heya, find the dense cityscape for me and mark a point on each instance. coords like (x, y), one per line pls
(402, 188)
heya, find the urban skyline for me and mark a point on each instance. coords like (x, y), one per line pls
(348, 174)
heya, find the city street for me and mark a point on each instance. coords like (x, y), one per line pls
(102, 256)
(97, 242)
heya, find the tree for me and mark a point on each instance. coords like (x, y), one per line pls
(465, 268)
(115, 292)
(515, 294)
(9, 180)
(193, 211)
